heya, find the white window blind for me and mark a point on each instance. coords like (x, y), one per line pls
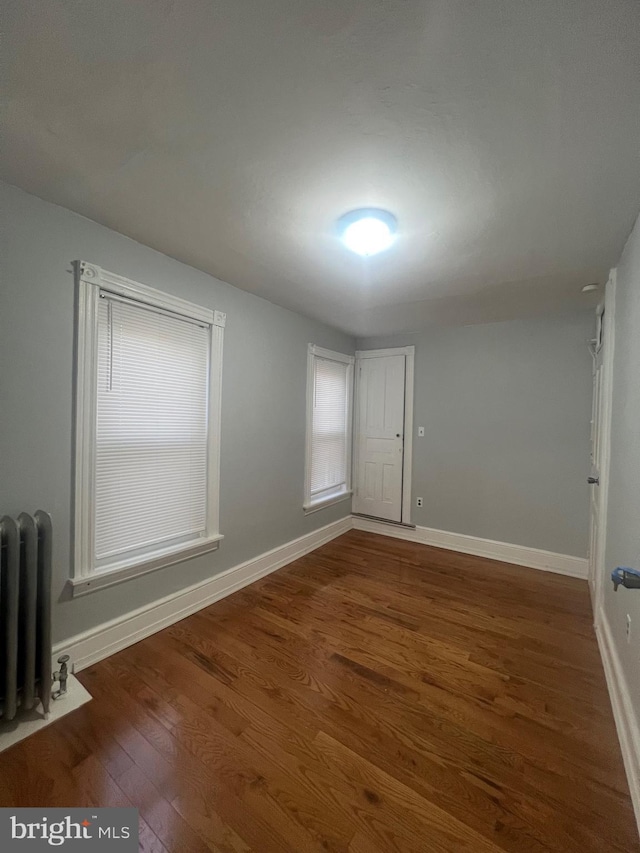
(329, 441)
(150, 478)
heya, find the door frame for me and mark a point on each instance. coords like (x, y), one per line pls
(597, 562)
(409, 368)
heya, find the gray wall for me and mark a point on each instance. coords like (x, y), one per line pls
(263, 415)
(506, 409)
(623, 515)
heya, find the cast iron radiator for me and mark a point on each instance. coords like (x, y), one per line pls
(25, 613)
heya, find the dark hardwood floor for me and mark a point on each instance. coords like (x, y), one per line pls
(374, 696)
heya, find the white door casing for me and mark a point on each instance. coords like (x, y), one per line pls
(384, 414)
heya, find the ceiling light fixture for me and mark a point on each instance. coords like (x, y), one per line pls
(368, 230)
(589, 287)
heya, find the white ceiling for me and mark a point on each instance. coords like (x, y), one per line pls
(503, 134)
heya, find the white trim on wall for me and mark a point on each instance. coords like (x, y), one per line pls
(331, 355)
(627, 722)
(98, 643)
(129, 289)
(91, 280)
(162, 560)
(519, 555)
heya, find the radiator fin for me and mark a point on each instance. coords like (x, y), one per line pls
(25, 613)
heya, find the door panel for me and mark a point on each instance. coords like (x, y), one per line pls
(380, 439)
(388, 483)
(596, 453)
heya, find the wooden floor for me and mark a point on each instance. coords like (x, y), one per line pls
(374, 696)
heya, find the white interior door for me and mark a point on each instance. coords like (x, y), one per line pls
(595, 475)
(600, 440)
(380, 436)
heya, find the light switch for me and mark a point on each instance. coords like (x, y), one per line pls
(421, 431)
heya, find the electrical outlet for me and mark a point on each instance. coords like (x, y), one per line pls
(418, 501)
(628, 622)
(421, 432)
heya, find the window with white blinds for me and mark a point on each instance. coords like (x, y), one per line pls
(149, 428)
(329, 407)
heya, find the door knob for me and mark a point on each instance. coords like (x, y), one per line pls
(593, 481)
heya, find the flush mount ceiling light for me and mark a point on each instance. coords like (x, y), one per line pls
(367, 231)
(588, 288)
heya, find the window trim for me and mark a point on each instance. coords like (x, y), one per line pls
(90, 280)
(309, 505)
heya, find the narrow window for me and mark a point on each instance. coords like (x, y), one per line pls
(329, 407)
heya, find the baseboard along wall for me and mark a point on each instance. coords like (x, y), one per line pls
(626, 718)
(533, 558)
(98, 643)
(104, 640)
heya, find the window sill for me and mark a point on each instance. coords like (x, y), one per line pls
(101, 580)
(325, 502)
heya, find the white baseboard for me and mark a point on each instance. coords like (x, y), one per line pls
(110, 637)
(533, 558)
(106, 639)
(627, 723)
(98, 643)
